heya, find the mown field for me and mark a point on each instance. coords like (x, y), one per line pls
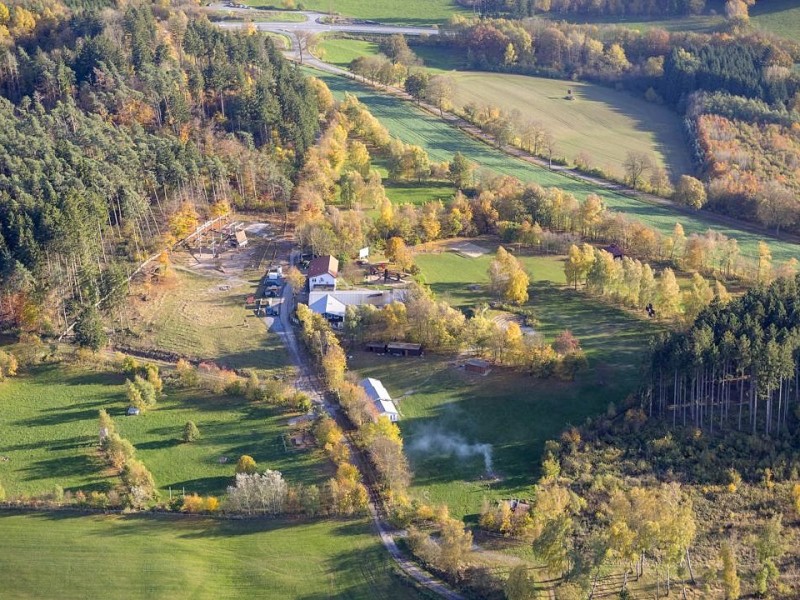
(69, 556)
(604, 123)
(441, 141)
(601, 122)
(192, 315)
(48, 431)
(513, 412)
(409, 12)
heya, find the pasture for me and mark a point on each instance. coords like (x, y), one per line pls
(414, 126)
(513, 412)
(603, 123)
(72, 556)
(781, 17)
(409, 12)
(48, 430)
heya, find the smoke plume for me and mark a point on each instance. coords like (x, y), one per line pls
(450, 444)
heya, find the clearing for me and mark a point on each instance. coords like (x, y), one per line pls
(441, 141)
(71, 556)
(443, 406)
(48, 428)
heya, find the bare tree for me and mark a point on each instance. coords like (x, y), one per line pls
(306, 41)
(636, 165)
(440, 91)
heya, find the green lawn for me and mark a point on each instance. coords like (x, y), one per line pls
(67, 556)
(259, 16)
(694, 23)
(409, 12)
(48, 429)
(513, 412)
(413, 192)
(441, 141)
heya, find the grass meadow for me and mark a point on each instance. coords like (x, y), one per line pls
(48, 430)
(604, 123)
(442, 141)
(511, 411)
(71, 556)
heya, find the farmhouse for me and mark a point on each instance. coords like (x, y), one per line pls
(380, 397)
(322, 273)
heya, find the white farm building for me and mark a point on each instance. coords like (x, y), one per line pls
(381, 398)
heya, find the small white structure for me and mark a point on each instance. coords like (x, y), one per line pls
(133, 411)
(381, 398)
(240, 239)
(322, 273)
(275, 274)
(333, 304)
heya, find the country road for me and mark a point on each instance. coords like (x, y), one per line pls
(315, 23)
(308, 382)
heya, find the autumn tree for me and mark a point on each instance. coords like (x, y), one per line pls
(691, 192)
(246, 464)
(730, 577)
(398, 253)
(416, 85)
(461, 171)
(295, 279)
(520, 584)
(439, 92)
(508, 279)
(190, 432)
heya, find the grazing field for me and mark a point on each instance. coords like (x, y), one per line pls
(693, 23)
(511, 411)
(413, 192)
(414, 126)
(409, 12)
(781, 17)
(601, 122)
(192, 314)
(68, 556)
(48, 431)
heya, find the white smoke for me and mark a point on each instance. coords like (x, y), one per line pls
(450, 444)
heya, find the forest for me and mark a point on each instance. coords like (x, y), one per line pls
(120, 130)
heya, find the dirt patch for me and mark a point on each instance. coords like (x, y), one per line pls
(468, 249)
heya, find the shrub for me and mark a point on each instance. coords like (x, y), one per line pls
(190, 432)
(246, 464)
(8, 365)
(193, 504)
(186, 373)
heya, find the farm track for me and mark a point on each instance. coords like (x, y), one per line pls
(307, 381)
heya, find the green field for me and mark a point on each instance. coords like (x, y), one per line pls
(781, 17)
(513, 412)
(67, 556)
(259, 16)
(604, 123)
(414, 126)
(600, 121)
(409, 12)
(48, 430)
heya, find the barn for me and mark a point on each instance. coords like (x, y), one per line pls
(394, 348)
(381, 398)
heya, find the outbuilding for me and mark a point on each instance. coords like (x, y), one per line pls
(330, 308)
(394, 348)
(381, 398)
(240, 239)
(478, 365)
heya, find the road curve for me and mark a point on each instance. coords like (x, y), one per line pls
(315, 24)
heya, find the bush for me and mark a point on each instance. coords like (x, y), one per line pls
(246, 464)
(190, 432)
(8, 365)
(186, 373)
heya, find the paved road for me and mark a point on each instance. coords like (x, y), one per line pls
(314, 23)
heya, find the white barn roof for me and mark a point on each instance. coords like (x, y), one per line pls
(379, 395)
(328, 305)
